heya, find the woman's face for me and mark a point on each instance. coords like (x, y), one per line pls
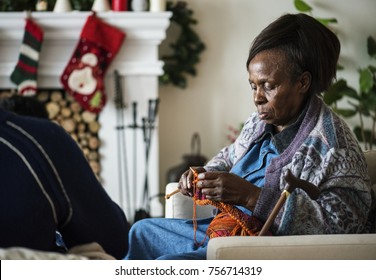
(278, 99)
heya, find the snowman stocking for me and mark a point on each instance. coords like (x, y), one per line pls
(83, 77)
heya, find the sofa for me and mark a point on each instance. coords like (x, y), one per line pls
(311, 247)
(302, 247)
(89, 251)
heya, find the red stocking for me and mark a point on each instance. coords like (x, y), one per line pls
(83, 77)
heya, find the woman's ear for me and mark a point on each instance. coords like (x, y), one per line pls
(305, 81)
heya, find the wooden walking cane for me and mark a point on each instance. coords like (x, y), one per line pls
(293, 183)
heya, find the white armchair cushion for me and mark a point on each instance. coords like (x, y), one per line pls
(294, 247)
(181, 207)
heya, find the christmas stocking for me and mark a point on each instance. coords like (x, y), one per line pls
(83, 77)
(25, 73)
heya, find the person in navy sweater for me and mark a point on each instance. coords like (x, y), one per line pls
(47, 185)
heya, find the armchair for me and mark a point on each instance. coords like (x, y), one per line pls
(330, 246)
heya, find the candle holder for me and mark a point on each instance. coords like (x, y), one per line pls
(120, 5)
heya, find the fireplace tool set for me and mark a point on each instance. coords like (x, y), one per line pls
(147, 127)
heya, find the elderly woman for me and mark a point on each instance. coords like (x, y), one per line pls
(293, 136)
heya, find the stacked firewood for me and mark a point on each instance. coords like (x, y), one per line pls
(82, 125)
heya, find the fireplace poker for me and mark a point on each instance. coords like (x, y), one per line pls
(148, 125)
(122, 150)
(134, 126)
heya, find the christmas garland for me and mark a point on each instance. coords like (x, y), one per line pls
(186, 49)
(30, 5)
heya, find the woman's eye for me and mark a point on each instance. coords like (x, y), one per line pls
(268, 86)
(253, 87)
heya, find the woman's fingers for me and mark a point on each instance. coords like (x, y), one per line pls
(186, 180)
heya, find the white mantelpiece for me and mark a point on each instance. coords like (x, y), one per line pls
(137, 63)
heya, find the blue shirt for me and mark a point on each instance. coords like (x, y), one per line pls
(253, 164)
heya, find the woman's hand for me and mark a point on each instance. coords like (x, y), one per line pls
(186, 181)
(228, 188)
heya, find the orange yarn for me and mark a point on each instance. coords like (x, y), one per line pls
(229, 222)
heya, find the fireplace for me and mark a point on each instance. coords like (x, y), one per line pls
(138, 65)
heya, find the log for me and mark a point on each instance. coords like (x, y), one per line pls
(69, 125)
(81, 127)
(43, 96)
(95, 166)
(89, 117)
(94, 127)
(86, 151)
(63, 103)
(77, 118)
(56, 96)
(93, 156)
(53, 110)
(93, 143)
(75, 107)
(66, 112)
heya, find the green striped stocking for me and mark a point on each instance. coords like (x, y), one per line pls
(25, 73)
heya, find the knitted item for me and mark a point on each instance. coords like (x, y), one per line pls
(229, 222)
(25, 73)
(83, 77)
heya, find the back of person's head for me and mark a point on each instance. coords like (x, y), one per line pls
(24, 105)
(309, 46)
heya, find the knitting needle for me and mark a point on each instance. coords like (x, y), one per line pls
(167, 196)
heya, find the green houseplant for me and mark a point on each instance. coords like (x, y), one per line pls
(361, 102)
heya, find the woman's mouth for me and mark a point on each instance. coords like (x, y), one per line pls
(263, 115)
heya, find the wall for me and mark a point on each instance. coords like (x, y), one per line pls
(220, 94)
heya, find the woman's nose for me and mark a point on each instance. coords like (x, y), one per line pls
(258, 96)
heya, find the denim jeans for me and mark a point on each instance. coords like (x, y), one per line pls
(168, 239)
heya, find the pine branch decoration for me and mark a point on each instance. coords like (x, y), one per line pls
(186, 49)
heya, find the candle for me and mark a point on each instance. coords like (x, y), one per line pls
(157, 5)
(41, 5)
(139, 5)
(62, 6)
(100, 6)
(120, 5)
